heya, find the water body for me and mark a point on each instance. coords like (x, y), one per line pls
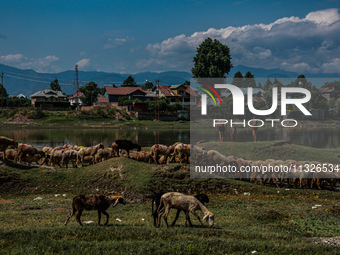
(312, 137)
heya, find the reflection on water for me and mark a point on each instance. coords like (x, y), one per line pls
(313, 137)
(89, 137)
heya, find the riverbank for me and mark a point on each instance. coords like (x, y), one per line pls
(98, 118)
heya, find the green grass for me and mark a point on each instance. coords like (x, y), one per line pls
(269, 224)
(275, 150)
(269, 220)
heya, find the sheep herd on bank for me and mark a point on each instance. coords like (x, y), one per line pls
(164, 154)
(300, 174)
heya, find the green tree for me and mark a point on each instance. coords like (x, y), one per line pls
(147, 85)
(237, 79)
(250, 80)
(55, 85)
(129, 82)
(91, 92)
(268, 84)
(3, 91)
(212, 60)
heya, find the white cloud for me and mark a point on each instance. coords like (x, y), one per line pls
(45, 64)
(83, 62)
(12, 58)
(332, 67)
(118, 41)
(42, 65)
(292, 43)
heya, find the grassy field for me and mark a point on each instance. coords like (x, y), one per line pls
(248, 217)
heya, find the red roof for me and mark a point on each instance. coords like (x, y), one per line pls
(102, 99)
(78, 94)
(258, 99)
(122, 91)
(167, 91)
(327, 89)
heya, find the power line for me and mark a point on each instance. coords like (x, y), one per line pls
(2, 90)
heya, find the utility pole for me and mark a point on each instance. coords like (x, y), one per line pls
(157, 84)
(2, 91)
(76, 85)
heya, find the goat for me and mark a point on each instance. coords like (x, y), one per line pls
(125, 145)
(185, 203)
(93, 202)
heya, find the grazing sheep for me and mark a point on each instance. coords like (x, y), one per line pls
(160, 149)
(5, 142)
(47, 150)
(181, 150)
(157, 150)
(103, 154)
(11, 154)
(69, 155)
(25, 151)
(88, 151)
(89, 160)
(144, 156)
(56, 157)
(185, 203)
(93, 202)
(126, 145)
(156, 199)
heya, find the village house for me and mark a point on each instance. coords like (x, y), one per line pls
(113, 93)
(330, 92)
(182, 94)
(48, 95)
(75, 99)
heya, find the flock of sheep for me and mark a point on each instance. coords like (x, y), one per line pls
(160, 154)
(302, 174)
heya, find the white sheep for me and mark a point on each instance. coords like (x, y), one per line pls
(183, 202)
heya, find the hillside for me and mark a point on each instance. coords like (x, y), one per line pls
(28, 81)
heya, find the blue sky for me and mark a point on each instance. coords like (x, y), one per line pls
(135, 36)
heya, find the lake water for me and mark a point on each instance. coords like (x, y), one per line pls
(313, 137)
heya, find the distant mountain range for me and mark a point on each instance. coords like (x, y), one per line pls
(28, 82)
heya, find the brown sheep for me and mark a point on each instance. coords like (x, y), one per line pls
(103, 154)
(5, 142)
(88, 160)
(93, 202)
(11, 154)
(159, 149)
(88, 151)
(69, 155)
(26, 150)
(56, 157)
(181, 150)
(144, 156)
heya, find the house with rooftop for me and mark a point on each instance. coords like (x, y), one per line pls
(48, 95)
(76, 99)
(182, 94)
(113, 93)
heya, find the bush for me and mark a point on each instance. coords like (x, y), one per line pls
(57, 104)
